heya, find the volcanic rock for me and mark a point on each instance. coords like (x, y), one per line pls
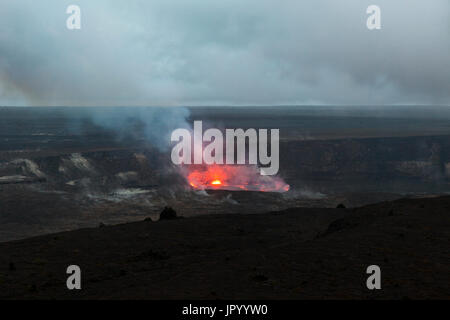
(168, 214)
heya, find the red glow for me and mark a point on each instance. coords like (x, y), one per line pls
(233, 177)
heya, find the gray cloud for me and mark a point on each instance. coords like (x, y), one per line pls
(201, 52)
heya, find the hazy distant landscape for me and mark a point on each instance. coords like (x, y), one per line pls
(224, 150)
(67, 168)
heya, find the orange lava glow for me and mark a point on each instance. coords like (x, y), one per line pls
(233, 177)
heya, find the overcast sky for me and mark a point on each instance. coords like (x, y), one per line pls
(230, 52)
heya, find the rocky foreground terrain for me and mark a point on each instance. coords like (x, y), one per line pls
(300, 253)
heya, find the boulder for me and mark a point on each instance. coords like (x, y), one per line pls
(168, 214)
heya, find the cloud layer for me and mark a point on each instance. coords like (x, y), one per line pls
(201, 52)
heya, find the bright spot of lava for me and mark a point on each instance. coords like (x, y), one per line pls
(232, 177)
